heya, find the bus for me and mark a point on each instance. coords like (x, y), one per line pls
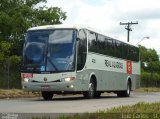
(60, 59)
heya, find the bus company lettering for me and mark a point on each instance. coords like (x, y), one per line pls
(114, 64)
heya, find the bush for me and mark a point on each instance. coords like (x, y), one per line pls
(10, 72)
(145, 76)
(156, 77)
(147, 80)
(15, 61)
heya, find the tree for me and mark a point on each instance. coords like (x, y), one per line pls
(16, 16)
(150, 57)
(150, 73)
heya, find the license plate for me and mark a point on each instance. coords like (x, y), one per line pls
(45, 88)
(27, 75)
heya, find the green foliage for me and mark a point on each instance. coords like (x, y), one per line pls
(4, 50)
(145, 76)
(136, 111)
(153, 66)
(149, 79)
(156, 77)
(16, 16)
(15, 61)
(150, 67)
(140, 107)
(47, 16)
(150, 89)
(150, 57)
(45, 117)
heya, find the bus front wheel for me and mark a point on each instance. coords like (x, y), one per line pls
(91, 91)
(47, 95)
(97, 94)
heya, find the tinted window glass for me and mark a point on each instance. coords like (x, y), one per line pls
(34, 50)
(61, 50)
(133, 53)
(108, 46)
(92, 43)
(49, 50)
(82, 50)
(118, 49)
(101, 45)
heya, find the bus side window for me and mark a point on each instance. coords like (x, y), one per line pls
(92, 42)
(101, 46)
(82, 50)
(118, 49)
(109, 47)
(124, 51)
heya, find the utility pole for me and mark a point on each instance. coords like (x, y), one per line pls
(128, 28)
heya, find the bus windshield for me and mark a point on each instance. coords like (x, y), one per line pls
(49, 50)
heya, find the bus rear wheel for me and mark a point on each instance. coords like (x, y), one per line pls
(47, 95)
(125, 93)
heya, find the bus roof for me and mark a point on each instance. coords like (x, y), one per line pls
(59, 26)
(63, 26)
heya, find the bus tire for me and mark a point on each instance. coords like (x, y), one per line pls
(97, 94)
(127, 92)
(91, 91)
(47, 95)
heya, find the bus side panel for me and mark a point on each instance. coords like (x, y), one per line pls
(112, 73)
(135, 75)
(82, 77)
(106, 80)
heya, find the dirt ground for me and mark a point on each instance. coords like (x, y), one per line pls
(15, 93)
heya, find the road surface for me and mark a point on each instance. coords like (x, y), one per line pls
(73, 103)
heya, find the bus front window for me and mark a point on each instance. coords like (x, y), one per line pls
(61, 50)
(49, 50)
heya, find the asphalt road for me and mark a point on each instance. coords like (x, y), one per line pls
(73, 103)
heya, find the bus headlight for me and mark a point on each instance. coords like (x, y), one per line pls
(26, 79)
(68, 79)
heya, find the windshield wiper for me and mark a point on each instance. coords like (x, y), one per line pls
(52, 63)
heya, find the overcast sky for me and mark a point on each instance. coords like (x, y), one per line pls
(106, 15)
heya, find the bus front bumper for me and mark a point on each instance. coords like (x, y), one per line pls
(55, 87)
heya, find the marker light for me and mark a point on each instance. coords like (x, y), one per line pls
(71, 86)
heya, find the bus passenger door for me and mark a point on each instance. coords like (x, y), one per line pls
(81, 57)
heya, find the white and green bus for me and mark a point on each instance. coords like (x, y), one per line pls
(61, 59)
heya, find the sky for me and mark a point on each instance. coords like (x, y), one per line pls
(106, 15)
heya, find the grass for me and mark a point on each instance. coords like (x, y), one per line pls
(15, 93)
(140, 110)
(137, 111)
(140, 107)
(148, 89)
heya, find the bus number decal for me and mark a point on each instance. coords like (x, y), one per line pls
(93, 60)
(129, 66)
